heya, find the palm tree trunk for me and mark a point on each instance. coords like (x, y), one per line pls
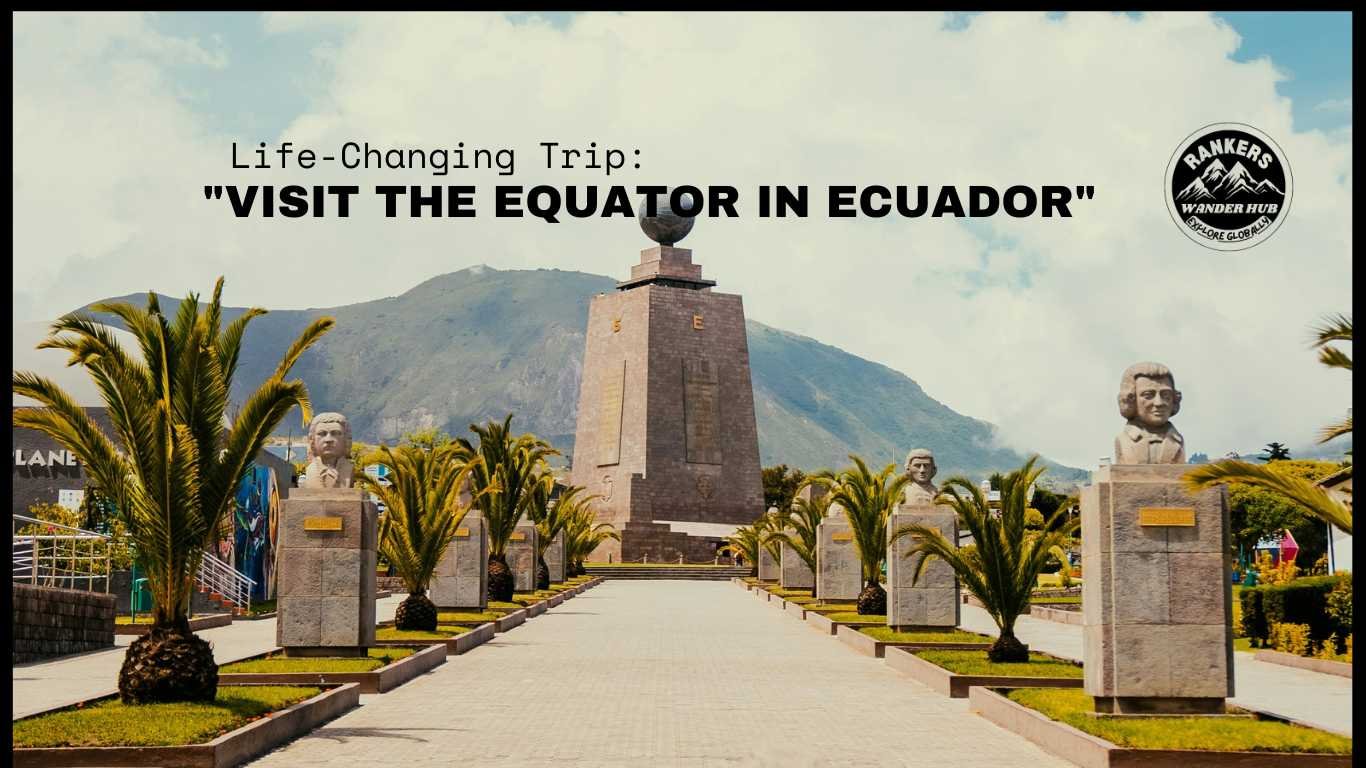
(1008, 649)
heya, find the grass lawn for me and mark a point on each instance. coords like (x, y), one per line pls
(1205, 733)
(1055, 600)
(805, 602)
(880, 618)
(445, 616)
(379, 657)
(113, 724)
(828, 607)
(265, 606)
(654, 565)
(975, 663)
(886, 635)
(497, 605)
(1243, 644)
(791, 592)
(441, 633)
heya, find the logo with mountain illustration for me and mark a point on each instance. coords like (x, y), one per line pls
(1228, 186)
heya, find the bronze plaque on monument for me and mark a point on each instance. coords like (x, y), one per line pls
(1173, 516)
(612, 393)
(701, 412)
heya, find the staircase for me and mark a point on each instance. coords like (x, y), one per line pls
(219, 587)
(662, 571)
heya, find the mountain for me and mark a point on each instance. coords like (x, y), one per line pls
(1213, 172)
(481, 343)
(1194, 191)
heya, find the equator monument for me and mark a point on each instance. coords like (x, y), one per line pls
(666, 431)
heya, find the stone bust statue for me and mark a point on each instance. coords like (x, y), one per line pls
(1148, 398)
(329, 445)
(922, 469)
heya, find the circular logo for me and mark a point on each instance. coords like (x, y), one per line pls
(1228, 186)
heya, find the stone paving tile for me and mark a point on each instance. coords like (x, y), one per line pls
(671, 673)
(41, 685)
(1314, 698)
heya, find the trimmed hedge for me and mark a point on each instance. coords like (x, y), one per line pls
(1302, 601)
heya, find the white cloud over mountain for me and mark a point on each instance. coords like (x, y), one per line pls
(1024, 322)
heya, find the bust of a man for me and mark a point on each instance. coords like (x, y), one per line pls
(329, 445)
(922, 469)
(1148, 399)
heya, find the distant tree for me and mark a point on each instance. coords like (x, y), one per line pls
(1198, 458)
(780, 485)
(1275, 452)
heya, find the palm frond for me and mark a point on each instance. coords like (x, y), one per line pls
(1302, 492)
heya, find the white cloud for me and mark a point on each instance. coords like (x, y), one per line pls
(1026, 323)
(1334, 105)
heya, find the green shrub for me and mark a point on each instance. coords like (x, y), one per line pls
(1302, 601)
(1253, 620)
(1339, 601)
(1291, 638)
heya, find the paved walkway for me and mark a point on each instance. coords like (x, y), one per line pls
(1312, 698)
(43, 685)
(669, 673)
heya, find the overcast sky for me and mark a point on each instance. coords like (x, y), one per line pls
(120, 120)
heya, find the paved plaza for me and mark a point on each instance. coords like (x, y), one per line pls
(667, 673)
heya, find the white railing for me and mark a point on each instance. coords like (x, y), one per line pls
(56, 555)
(218, 577)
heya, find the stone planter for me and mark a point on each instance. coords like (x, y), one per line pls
(870, 646)
(516, 618)
(795, 608)
(1090, 751)
(822, 624)
(1326, 666)
(463, 643)
(374, 681)
(231, 749)
(535, 609)
(1059, 615)
(956, 686)
(196, 624)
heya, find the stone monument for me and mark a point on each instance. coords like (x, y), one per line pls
(461, 579)
(521, 556)
(1156, 598)
(666, 430)
(839, 575)
(327, 552)
(795, 572)
(933, 601)
(554, 558)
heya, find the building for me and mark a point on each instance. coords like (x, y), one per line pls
(1339, 487)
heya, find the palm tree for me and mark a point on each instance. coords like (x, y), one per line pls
(1275, 452)
(1002, 567)
(745, 543)
(1335, 328)
(550, 518)
(1301, 492)
(772, 523)
(868, 499)
(805, 517)
(583, 534)
(422, 511)
(503, 485)
(181, 463)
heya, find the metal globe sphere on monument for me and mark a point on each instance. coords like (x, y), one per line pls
(666, 227)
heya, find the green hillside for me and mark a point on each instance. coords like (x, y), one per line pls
(480, 343)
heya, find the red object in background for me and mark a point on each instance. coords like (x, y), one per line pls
(1289, 548)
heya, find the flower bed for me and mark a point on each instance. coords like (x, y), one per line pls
(396, 666)
(953, 673)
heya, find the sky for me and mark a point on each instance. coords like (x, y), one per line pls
(121, 119)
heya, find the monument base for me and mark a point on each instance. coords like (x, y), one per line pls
(1160, 705)
(333, 651)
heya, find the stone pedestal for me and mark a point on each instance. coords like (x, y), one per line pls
(554, 558)
(326, 572)
(768, 566)
(933, 601)
(1156, 599)
(838, 573)
(462, 577)
(794, 572)
(521, 555)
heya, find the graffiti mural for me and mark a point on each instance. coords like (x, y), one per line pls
(256, 512)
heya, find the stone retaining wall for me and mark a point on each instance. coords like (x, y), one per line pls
(52, 622)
